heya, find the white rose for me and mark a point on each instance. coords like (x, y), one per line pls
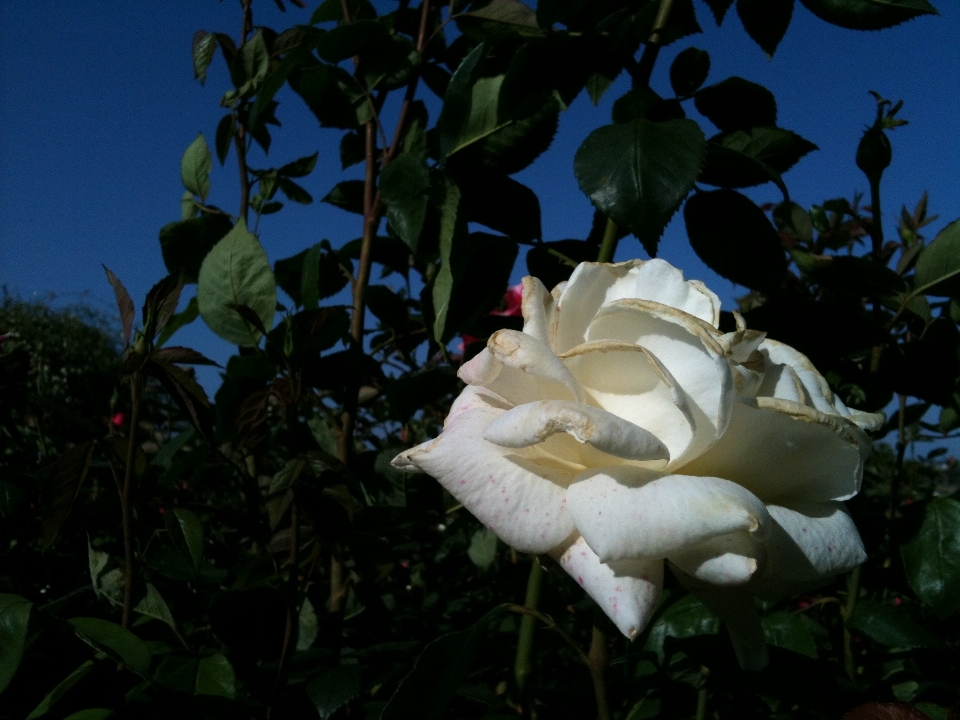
(621, 428)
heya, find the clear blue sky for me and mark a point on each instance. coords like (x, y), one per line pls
(99, 102)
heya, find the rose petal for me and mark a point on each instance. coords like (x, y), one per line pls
(627, 591)
(625, 512)
(782, 451)
(789, 374)
(593, 285)
(724, 560)
(520, 495)
(532, 423)
(527, 358)
(629, 381)
(539, 309)
(687, 348)
(807, 545)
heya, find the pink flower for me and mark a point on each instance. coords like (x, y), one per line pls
(513, 298)
(118, 420)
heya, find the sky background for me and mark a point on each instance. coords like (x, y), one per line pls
(99, 101)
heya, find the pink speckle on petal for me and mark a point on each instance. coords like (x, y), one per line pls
(580, 579)
(463, 481)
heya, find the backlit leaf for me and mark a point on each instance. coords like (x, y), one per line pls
(932, 558)
(195, 167)
(14, 618)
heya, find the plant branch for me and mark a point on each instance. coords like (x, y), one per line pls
(608, 247)
(853, 592)
(136, 388)
(651, 49)
(293, 596)
(598, 660)
(523, 664)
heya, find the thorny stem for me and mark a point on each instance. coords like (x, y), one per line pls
(523, 665)
(652, 47)
(598, 660)
(136, 386)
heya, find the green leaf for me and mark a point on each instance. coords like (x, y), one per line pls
(346, 195)
(500, 203)
(310, 278)
(719, 9)
(786, 630)
(185, 244)
(475, 130)
(441, 667)
(735, 239)
(409, 393)
(500, 16)
(868, 14)
(97, 563)
(448, 204)
(14, 618)
(388, 64)
(332, 95)
(932, 558)
(224, 136)
(204, 46)
(60, 690)
(736, 104)
(639, 173)
(90, 714)
(743, 158)
(301, 167)
(236, 271)
(938, 267)
(307, 620)
(215, 676)
(250, 64)
(483, 548)
(294, 192)
(59, 487)
(154, 606)
(116, 641)
(766, 21)
(687, 617)
(891, 626)
(190, 313)
(345, 41)
(689, 70)
(334, 687)
(186, 531)
(10, 496)
(292, 276)
(404, 186)
(389, 308)
(195, 167)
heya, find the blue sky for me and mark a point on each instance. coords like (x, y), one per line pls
(99, 102)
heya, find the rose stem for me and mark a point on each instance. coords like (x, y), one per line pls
(608, 247)
(136, 386)
(853, 590)
(522, 665)
(598, 659)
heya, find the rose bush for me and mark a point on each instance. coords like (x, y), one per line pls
(621, 428)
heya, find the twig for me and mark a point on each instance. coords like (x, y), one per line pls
(598, 660)
(644, 69)
(853, 591)
(608, 246)
(523, 665)
(136, 383)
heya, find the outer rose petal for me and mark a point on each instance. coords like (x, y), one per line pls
(783, 451)
(724, 560)
(593, 285)
(807, 545)
(687, 348)
(623, 513)
(627, 591)
(532, 423)
(520, 495)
